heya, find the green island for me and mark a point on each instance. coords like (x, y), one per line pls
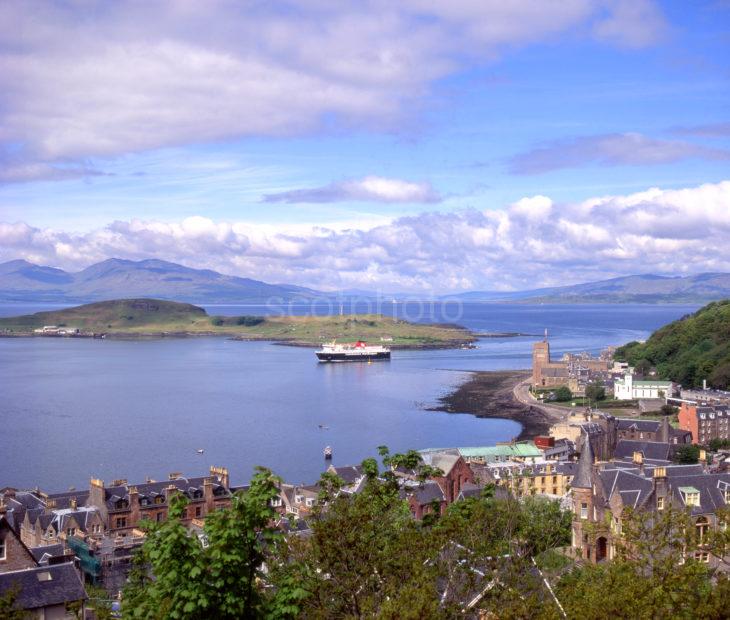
(140, 318)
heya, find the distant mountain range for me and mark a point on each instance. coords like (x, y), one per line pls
(115, 278)
(648, 289)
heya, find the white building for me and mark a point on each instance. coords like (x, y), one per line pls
(629, 388)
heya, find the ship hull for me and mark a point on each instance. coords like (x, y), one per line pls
(380, 356)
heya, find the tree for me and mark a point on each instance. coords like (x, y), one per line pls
(654, 575)
(176, 577)
(8, 608)
(687, 455)
(668, 409)
(595, 392)
(563, 394)
(642, 367)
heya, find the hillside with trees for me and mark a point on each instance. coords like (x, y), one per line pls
(694, 348)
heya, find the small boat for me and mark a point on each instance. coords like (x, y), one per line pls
(323, 426)
(328, 453)
(200, 450)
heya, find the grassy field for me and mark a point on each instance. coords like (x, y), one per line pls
(150, 317)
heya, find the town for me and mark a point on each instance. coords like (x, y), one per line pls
(593, 463)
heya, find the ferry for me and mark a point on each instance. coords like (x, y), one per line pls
(352, 352)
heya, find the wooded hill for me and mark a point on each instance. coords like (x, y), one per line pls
(694, 348)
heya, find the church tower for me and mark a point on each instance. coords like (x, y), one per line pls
(540, 358)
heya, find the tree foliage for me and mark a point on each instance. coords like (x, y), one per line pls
(689, 350)
(654, 575)
(175, 576)
(563, 394)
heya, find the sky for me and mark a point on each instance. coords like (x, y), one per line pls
(411, 146)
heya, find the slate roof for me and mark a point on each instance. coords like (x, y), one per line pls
(189, 487)
(710, 486)
(445, 462)
(37, 590)
(426, 493)
(349, 473)
(583, 473)
(52, 551)
(655, 450)
(646, 426)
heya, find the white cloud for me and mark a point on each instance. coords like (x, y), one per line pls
(610, 150)
(534, 242)
(368, 189)
(103, 78)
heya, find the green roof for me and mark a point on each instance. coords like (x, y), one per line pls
(522, 449)
(659, 383)
(685, 490)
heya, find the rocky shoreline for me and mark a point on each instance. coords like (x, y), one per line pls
(490, 394)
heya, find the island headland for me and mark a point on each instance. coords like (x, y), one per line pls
(155, 318)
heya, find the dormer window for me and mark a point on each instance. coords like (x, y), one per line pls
(144, 502)
(121, 504)
(691, 496)
(159, 499)
(298, 499)
(310, 502)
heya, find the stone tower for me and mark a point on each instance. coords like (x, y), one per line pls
(582, 492)
(540, 359)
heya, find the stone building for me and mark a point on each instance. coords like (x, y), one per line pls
(601, 492)
(43, 591)
(574, 370)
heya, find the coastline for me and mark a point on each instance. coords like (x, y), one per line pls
(492, 394)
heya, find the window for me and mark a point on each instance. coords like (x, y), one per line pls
(160, 499)
(310, 501)
(701, 525)
(660, 503)
(160, 516)
(198, 511)
(121, 522)
(702, 556)
(584, 511)
(2, 548)
(71, 531)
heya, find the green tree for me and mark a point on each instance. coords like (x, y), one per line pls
(176, 577)
(687, 455)
(595, 392)
(563, 394)
(8, 607)
(366, 556)
(654, 575)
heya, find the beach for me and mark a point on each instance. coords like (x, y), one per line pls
(500, 394)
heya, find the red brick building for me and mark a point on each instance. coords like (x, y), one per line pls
(705, 422)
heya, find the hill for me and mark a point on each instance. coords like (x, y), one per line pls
(643, 289)
(689, 350)
(130, 318)
(116, 279)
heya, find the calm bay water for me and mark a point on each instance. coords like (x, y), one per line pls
(76, 408)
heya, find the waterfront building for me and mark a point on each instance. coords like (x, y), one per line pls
(705, 422)
(629, 388)
(574, 370)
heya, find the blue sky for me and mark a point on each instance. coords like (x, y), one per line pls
(421, 147)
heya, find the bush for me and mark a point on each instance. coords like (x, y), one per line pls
(249, 321)
(595, 392)
(563, 394)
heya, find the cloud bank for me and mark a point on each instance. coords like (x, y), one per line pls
(368, 189)
(610, 150)
(99, 79)
(533, 242)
